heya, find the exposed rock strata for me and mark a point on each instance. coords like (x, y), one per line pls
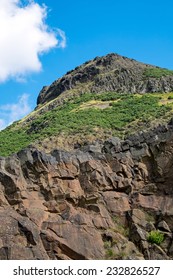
(90, 204)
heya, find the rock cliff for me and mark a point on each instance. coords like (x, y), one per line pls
(100, 201)
(108, 73)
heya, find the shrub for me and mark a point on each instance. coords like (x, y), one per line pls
(156, 237)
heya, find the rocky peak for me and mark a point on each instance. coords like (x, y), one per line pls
(108, 73)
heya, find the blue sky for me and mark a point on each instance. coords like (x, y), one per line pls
(71, 33)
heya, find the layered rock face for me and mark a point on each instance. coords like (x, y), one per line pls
(99, 202)
(103, 74)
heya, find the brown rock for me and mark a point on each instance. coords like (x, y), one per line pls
(116, 202)
(71, 205)
(156, 253)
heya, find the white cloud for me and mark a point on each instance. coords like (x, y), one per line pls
(24, 36)
(12, 112)
(61, 34)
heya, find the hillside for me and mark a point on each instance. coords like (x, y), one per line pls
(88, 174)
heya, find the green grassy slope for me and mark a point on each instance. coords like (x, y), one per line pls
(91, 114)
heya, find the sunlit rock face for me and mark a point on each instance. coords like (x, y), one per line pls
(98, 202)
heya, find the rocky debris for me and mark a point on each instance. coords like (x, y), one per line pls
(100, 201)
(104, 74)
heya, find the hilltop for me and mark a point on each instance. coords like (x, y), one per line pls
(110, 73)
(107, 96)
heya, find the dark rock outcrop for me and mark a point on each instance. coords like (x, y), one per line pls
(93, 203)
(103, 74)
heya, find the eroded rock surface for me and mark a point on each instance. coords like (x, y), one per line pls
(90, 203)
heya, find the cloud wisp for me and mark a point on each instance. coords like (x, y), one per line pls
(24, 36)
(12, 112)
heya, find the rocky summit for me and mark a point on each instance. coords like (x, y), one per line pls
(100, 199)
(109, 73)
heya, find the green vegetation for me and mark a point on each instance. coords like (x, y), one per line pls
(157, 72)
(156, 237)
(90, 114)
